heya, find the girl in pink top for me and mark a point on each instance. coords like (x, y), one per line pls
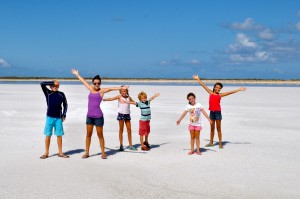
(94, 114)
(123, 116)
(215, 108)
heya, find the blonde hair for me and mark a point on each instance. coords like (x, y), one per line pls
(127, 91)
(142, 94)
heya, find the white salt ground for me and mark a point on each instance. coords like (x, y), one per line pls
(260, 159)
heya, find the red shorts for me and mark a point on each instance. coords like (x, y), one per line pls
(144, 127)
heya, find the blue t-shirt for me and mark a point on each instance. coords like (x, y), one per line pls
(145, 110)
(54, 101)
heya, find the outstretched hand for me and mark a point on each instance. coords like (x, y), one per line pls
(243, 89)
(75, 72)
(196, 77)
(156, 94)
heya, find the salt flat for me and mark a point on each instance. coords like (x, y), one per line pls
(260, 159)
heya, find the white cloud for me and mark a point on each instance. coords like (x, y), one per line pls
(3, 63)
(242, 41)
(248, 24)
(266, 34)
(195, 62)
(298, 26)
(245, 41)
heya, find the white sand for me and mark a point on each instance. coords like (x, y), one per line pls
(260, 159)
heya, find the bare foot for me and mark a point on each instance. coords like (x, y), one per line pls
(191, 153)
(198, 153)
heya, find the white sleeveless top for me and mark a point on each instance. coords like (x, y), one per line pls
(124, 108)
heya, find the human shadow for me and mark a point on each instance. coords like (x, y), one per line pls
(70, 152)
(154, 146)
(202, 150)
(226, 142)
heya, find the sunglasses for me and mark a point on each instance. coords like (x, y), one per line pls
(97, 83)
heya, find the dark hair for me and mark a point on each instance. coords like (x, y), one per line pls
(189, 95)
(97, 77)
(218, 83)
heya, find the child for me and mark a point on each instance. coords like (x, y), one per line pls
(144, 124)
(195, 123)
(215, 108)
(123, 116)
(55, 116)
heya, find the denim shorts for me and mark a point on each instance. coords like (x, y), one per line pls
(215, 115)
(95, 121)
(123, 116)
(53, 123)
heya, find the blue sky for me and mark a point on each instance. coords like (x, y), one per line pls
(154, 38)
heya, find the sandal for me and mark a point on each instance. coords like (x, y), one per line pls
(191, 153)
(209, 145)
(198, 153)
(44, 157)
(63, 156)
(85, 156)
(104, 157)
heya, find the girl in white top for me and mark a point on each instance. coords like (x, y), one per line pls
(195, 122)
(123, 116)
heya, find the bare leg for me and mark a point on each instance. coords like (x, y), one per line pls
(212, 132)
(142, 140)
(121, 127)
(59, 144)
(89, 133)
(47, 145)
(219, 133)
(101, 140)
(192, 132)
(128, 126)
(197, 135)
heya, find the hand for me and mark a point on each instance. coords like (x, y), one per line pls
(75, 72)
(178, 122)
(196, 77)
(156, 94)
(243, 89)
(63, 119)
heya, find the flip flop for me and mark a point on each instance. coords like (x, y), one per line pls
(63, 156)
(209, 145)
(85, 156)
(191, 153)
(44, 157)
(104, 157)
(198, 153)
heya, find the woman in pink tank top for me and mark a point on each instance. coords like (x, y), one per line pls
(95, 114)
(215, 108)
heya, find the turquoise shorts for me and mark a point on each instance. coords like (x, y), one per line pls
(56, 123)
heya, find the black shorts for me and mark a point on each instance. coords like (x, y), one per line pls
(215, 115)
(123, 116)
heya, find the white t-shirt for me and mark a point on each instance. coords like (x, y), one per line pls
(195, 114)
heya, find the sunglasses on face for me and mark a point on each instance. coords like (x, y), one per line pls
(97, 83)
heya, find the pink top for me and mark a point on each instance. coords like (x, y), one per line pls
(214, 102)
(94, 110)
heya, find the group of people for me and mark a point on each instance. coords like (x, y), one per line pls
(56, 115)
